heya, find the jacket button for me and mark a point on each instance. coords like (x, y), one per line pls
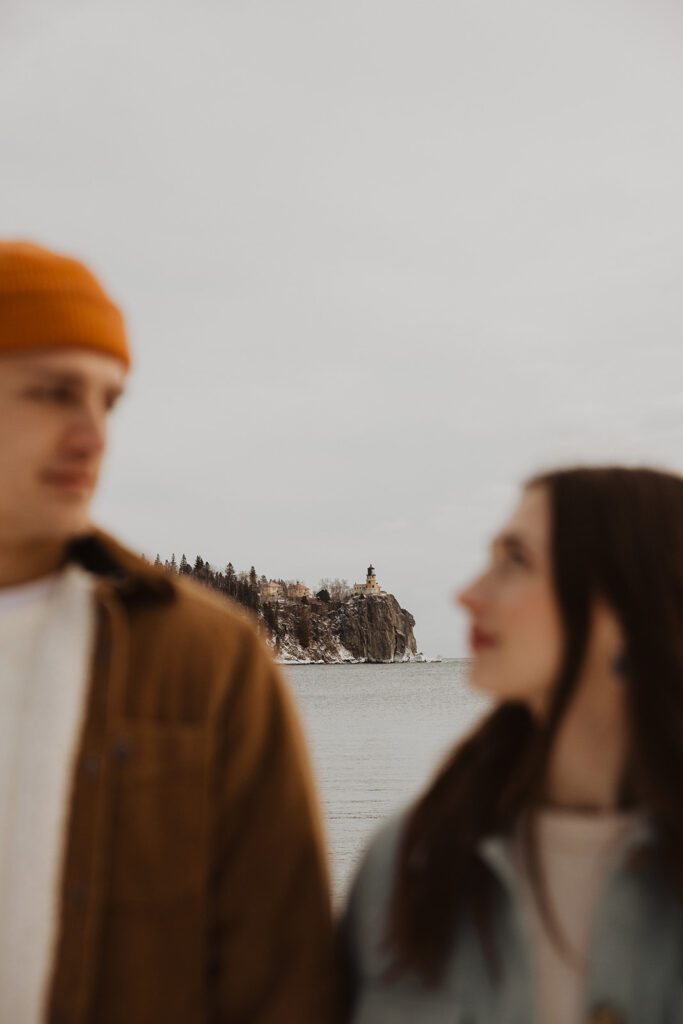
(90, 765)
(123, 749)
(606, 1014)
(78, 897)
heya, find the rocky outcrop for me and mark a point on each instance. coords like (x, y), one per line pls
(358, 627)
(377, 629)
(371, 629)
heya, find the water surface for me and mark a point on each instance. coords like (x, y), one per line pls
(377, 733)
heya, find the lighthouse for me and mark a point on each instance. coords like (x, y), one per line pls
(371, 587)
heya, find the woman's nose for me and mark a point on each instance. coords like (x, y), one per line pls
(471, 596)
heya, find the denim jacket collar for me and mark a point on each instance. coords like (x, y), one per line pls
(495, 851)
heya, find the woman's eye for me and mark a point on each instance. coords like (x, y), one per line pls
(512, 559)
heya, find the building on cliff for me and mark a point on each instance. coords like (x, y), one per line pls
(271, 590)
(371, 587)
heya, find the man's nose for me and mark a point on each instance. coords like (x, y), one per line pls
(87, 434)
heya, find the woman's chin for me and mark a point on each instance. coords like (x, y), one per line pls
(491, 679)
(483, 677)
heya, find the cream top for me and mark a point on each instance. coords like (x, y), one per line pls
(575, 850)
(46, 635)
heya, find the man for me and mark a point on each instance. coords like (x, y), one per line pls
(160, 851)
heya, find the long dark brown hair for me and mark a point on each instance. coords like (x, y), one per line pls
(616, 534)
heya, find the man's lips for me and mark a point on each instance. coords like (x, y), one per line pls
(480, 639)
(70, 479)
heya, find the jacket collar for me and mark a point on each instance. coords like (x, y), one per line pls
(496, 851)
(124, 571)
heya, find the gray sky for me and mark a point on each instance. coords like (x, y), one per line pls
(380, 260)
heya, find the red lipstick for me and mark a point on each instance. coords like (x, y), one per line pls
(481, 640)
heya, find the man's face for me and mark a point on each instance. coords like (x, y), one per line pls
(54, 407)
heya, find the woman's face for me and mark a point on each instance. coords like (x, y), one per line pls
(516, 632)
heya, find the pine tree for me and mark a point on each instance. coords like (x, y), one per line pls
(268, 618)
(157, 560)
(185, 566)
(229, 579)
(198, 566)
(303, 627)
(173, 565)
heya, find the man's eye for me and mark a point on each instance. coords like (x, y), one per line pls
(59, 394)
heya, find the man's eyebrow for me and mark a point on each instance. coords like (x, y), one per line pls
(63, 376)
(67, 378)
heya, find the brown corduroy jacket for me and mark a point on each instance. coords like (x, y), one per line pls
(194, 884)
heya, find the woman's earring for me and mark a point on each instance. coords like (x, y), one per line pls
(620, 666)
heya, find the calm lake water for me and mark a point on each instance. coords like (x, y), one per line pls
(376, 734)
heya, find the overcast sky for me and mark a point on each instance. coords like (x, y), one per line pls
(379, 260)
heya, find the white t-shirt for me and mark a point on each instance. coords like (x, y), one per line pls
(575, 851)
(46, 638)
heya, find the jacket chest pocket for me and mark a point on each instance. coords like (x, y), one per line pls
(159, 814)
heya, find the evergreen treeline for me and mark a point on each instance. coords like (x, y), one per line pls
(241, 587)
(245, 588)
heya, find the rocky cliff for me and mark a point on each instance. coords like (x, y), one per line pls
(377, 629)
(372, 629)
(349, 627)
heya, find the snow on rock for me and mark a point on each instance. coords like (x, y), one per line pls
(362, 629)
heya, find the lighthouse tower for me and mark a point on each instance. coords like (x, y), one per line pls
(371, 586)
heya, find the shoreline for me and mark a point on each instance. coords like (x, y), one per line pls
(418, 659)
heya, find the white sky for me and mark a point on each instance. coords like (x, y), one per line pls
(380, 260)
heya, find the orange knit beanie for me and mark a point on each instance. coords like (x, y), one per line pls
(53, 301)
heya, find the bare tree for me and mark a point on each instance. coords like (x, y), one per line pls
(339, 590)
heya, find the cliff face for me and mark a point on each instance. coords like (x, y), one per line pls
(361, 627)
(373, 629)
(377, 629)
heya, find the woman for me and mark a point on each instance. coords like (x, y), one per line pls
(539, 880)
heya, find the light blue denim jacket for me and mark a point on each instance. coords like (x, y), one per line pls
(635, 973)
